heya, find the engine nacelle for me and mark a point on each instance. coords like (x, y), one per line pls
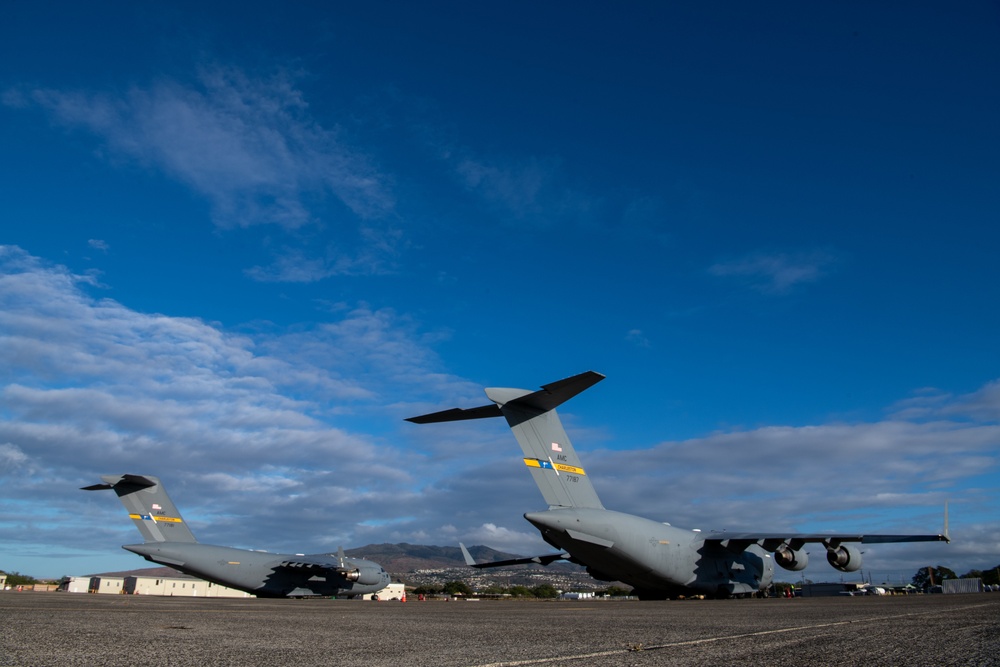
(365, 576)
(791, 559)
(845, 558)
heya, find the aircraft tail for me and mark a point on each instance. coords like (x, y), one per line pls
(548, 452)
(149, 506)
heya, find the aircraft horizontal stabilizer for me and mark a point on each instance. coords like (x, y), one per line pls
(545, 559)
(458, 414)
(549, 397)
(137, 481)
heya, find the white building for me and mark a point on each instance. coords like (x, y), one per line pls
(145, 585)
(75, 584)
(586, 595)
(107, 585)
(180, 586)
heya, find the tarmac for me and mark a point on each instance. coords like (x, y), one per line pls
(64, 629)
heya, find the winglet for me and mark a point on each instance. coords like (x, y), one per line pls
(947, 537)
(458, 414)
(469, 560)
(549, 397)
(544, 559)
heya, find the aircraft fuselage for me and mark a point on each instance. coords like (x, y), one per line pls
(264, 574)
(657, 559)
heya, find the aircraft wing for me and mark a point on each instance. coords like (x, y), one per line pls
(311, 564)
(840, 552)
(772, 541)
(339, 565)
(318, 566)
(544, 559)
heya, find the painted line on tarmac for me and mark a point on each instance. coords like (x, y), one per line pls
(709, 640)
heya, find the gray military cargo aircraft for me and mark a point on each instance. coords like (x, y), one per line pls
(169, 541)
(658, 560)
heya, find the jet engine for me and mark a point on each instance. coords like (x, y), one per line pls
(791, 559)
(845, 558)
(363, 575)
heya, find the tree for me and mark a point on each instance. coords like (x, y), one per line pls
(545, 591)
(18, 579)
(457, 588)
(922, 579)
(990, 577)
(519, 591)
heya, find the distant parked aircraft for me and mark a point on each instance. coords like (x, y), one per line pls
(169, 541)
(657, 559)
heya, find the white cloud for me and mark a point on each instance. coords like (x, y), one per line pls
(530, 190)
(983, 404)
(91, 387)
(776, 273)
(247, 144)
(516, 189)
(637, 338)
(377, 254)
(289, 438)
(251, 148)
(804, 472)
(11, 457)
(889, 477)
(525, 542)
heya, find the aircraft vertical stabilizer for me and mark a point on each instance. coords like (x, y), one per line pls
(548, 452)
(149, 506)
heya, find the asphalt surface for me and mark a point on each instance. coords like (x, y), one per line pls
(40, 629)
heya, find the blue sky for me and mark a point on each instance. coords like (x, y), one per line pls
(241, 245)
